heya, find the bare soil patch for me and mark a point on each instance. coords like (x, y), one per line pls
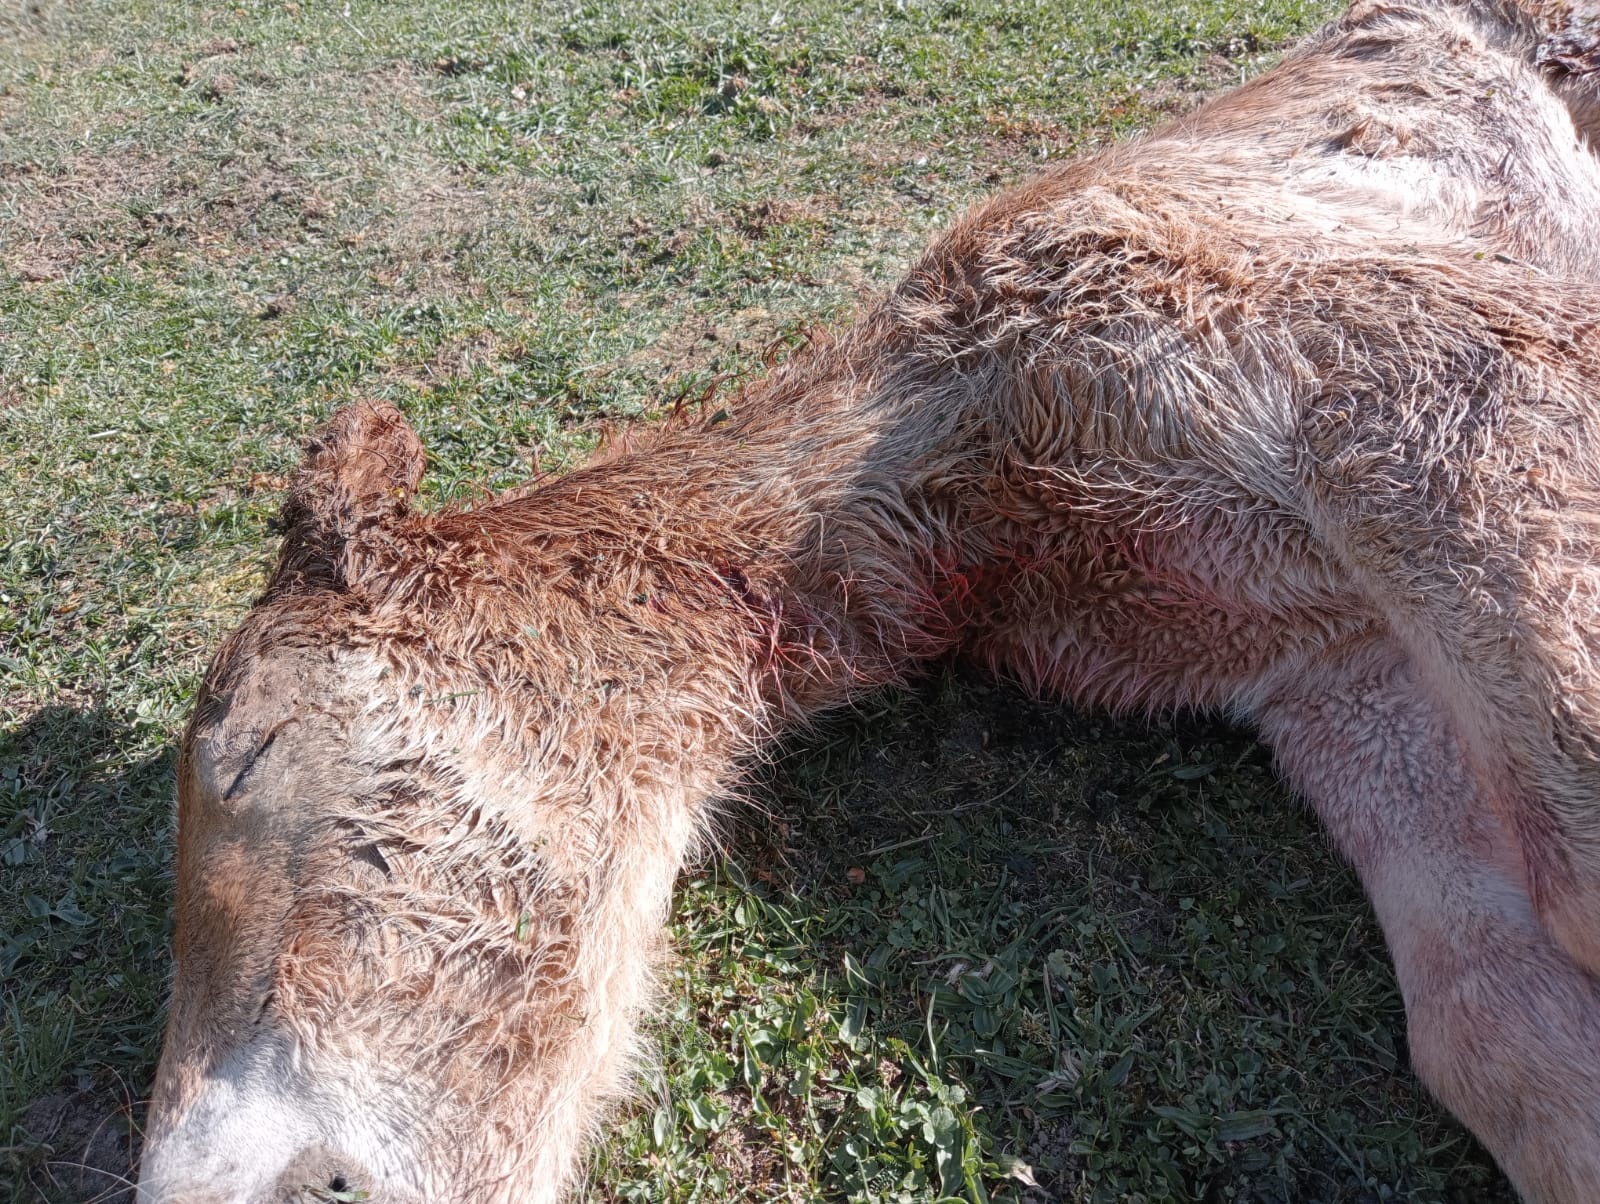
(79, 1143)
(137, 204)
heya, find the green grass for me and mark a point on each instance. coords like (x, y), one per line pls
(972, 942)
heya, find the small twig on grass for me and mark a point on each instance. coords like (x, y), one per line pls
(900, 844)
(993, 798)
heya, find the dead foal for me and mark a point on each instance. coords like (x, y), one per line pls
(1287, 409)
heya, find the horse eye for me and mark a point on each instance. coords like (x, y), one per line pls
(249, 766)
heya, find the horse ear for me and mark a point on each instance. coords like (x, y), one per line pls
(358, 472)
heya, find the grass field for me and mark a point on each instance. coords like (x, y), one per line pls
(969, 947)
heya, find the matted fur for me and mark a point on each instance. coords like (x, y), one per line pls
(1288, 408)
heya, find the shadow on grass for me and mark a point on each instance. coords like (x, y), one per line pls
(1127, 948)
(85, 895)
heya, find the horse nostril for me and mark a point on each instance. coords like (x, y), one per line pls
(322, 1184)
(341, 1191)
